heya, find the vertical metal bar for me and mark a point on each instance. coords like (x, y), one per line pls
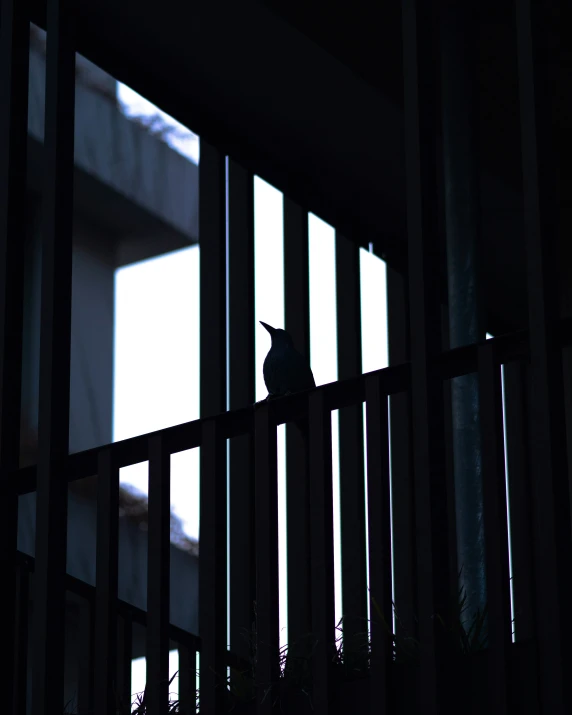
(123, 693)
(495, 527)
(241, 393)
(86, 646)
(14, 58)
(352, 482)
(158, 577)
(55, 335)
(212, 570)
(212, 243)
(517, 448)
(106, 581)
(538, 62)
(267, 629)
(297, 323)
(322, 550)
(19, 686)
(421, 129)
(379, 526)
(187, 700)
(402, 503)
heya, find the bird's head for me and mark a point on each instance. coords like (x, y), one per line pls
(280, 338)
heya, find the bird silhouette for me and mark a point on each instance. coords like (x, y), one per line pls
(285, 369)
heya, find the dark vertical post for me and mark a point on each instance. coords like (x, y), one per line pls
(352, 483)
(212, 570)
(297, 323)
(538, 63)
(402, 502)
(241, 393)
(55, 335)
(19, 686)
(86, 643)
(518, 468)
(106, 582)
(421, 129)
(187, 695)
(14, 55)
(322, 550)
(267, 628)
(158, 580)
(462, 213)
(377, 439)
(495, 526)
(213, 516)
(123, 692)
(212, 244)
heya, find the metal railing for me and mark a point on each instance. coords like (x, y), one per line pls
(423, 537)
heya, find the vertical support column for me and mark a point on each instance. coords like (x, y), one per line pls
(297, 323)
(538, 61)
(55, 337)
(106, 582)
(352, 483)
(158, 577)
(213, 401)
(403, 504)
(212, 244)
(462, 213)
(14, 59)
(421, 130)
(241, 393)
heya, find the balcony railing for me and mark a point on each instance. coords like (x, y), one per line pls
(376, 690)
(406, 425)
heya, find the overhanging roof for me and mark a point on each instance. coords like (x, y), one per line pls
(312, 103)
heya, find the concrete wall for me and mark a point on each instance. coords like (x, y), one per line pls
(127, 180)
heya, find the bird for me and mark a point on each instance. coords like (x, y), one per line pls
(285, 369)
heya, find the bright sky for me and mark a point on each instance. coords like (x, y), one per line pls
(155, 297)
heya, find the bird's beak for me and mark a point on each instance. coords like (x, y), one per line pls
(268, 327)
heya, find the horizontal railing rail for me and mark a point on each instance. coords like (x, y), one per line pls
(453, 363)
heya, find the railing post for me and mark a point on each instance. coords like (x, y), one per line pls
(106, 582)
(517, 415)
(19, 687)
(402, 491)
(377, 440)
(322, 551)
(538, 67)
(495, 528)
(55, 336)
(352, 482)
(158, 577)
(267, 626)
(14, 60)
(212, 571)
(421, 99)
(123, 691)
